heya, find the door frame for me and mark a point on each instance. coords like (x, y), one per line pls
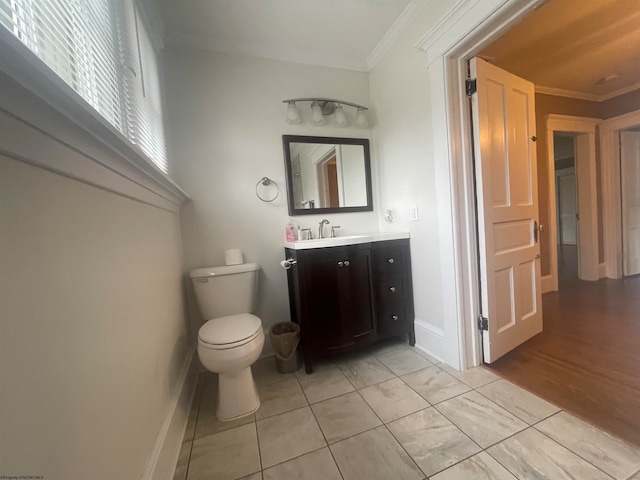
(461, 33)
(611, 188)
(585, 165)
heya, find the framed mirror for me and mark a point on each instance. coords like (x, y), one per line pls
(327, 174)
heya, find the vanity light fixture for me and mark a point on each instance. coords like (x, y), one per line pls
(317, 117)
(293, 116)
(322, 107)
(340, 118)
(361, 118)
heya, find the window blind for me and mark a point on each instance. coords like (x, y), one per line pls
(102, 50)
(141, 85)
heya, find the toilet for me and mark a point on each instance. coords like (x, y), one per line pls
(231, 339)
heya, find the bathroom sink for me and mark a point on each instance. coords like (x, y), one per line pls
(329, 242)
(345, 240)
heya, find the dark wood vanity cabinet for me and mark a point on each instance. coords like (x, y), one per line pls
(350, 296)
(393, 288)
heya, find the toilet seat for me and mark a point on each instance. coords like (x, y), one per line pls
(229, 332)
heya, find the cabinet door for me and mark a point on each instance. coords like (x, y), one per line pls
(359, 315)
(324, 301)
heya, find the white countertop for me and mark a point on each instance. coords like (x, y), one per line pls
(346, 240)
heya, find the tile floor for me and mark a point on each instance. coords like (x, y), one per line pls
(391, 412)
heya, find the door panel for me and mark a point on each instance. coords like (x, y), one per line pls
(528, 307)
(506, 183)
(519, 175)
(509, 236)
(496, 144)
(630, 171)
(505, 314)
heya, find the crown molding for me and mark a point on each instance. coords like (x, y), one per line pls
(408, 15)
(202, 42)
(212, 44)
(622, 91)
(457, 10)
(559, 92)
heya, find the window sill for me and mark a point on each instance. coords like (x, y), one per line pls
(33, 95)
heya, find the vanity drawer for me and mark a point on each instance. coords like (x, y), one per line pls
(392, 318)
(390, 258)
(391, 288)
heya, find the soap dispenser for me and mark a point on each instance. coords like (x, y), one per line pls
(290, 233)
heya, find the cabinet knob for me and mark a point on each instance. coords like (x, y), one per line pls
(346, 263)
(341, 264)
(390, 260)
(392, 289)
(394, 317)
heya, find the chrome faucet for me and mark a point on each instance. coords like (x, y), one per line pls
(322, 224)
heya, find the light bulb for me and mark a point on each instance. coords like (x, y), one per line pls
(361, 119)
(340, 119)
(293, 116)
(316, 114)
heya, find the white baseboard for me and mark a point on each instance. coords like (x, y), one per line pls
(429, 339)
(547, 283)
(164, 456)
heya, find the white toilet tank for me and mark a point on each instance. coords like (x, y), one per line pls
(226, 290)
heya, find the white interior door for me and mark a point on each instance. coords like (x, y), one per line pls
(630, 175)
(506, 182)
(567, 206)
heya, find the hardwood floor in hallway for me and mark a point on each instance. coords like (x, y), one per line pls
(587, 359)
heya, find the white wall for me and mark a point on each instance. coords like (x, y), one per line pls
(225, 126)
(94, 340)
(404, 156)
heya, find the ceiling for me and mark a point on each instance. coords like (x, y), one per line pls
(336, 33)
(583, 48)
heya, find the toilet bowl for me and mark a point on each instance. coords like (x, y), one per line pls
(231, 340)
(229, 346)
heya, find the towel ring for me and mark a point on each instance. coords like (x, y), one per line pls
(266, 181)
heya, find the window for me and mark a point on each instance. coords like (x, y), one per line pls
(102, 49)
(141, 85)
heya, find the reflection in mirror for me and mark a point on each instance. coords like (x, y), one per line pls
(327, 174)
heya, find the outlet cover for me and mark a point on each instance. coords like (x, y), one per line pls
(413, 213)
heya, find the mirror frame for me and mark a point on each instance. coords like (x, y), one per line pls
(287, 140)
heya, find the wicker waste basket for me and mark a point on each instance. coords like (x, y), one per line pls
(285, 338)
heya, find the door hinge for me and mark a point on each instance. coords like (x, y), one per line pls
(483, 323)
(470, 86)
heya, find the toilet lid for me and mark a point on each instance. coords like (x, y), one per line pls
(231, 329)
